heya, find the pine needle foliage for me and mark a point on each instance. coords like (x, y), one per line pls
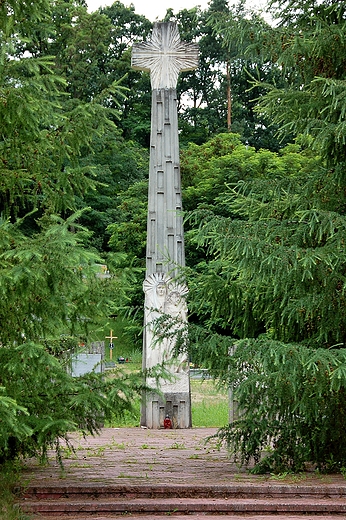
(47, 403)
(48, 279)
(49, 286)
(272, 290)
(309, 44)
(294, 403)
(271, 295)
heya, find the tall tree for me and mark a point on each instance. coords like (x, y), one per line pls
(115, 165)
(239, 32)
(126, 28)
(219, 96)
(48, 281)
(90, 53)
(274, 291)
(310, 44)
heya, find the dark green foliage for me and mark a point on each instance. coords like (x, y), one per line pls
(41, 276)
(48, 286)
(115, 166)
(46, 402)
(274, 273)
(294, 400)
(283, 255)
(265, 246)
(9, 477)
(128, 27)
(43, 136)
(268, 303)
(129, 233)
(48, 279)
(228, 100)
(309, 45)
(61, 347)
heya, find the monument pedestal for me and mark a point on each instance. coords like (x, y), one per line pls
(165, 319)
(175, 406)
(174, 402)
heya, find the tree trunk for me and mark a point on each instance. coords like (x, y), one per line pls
(229, 97)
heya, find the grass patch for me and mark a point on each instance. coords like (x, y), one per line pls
(209, 407)
(209, 404)
(177, 446)
(124, 344)
(208, 415)
(9, 478)
(129, 418)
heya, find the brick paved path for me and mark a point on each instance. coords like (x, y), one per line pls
(142, 465)
(137, 455)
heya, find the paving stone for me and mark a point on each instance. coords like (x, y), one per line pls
(144, 473)
(202, 516)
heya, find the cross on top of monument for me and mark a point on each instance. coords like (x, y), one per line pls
(165, 56)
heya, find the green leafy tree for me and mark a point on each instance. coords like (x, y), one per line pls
(313, 102)
(115, 166)
(44, 131)
(94, 161)
(128, 27)
(219, 96)
(92, 54)
(239, 31)
(129, 234)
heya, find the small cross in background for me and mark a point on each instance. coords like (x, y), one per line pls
(111, 344)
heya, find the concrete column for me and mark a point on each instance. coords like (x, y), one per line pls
(165, 56)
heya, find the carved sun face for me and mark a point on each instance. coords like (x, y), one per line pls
(161, 289)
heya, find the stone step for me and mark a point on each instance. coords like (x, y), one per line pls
(251, 491)
(144, 474)
(194, 516)
(154, 506)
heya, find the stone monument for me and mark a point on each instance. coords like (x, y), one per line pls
(165, 56)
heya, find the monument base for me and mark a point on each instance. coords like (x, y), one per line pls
(174, 401)
(157, 407)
